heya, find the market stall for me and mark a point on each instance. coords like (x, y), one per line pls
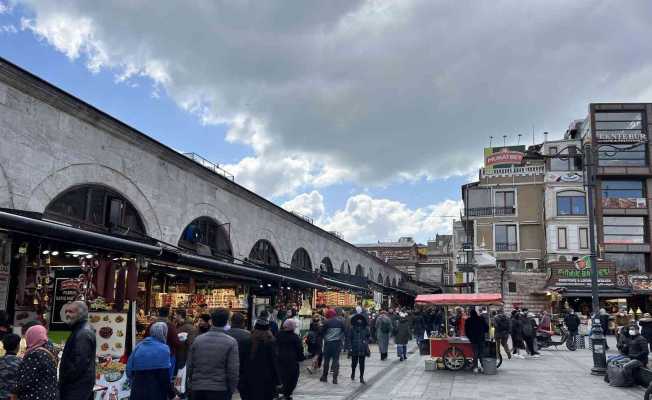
(456, 352)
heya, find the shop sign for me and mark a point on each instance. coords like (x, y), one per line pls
(65, 291)
(621, 137)
(579, 275)
(624, 202)
(502, 157)
(641, 283)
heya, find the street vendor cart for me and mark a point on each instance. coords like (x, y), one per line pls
(456, 352)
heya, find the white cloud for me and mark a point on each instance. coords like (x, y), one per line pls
(368, 219)
(382, 90)
(307, 204)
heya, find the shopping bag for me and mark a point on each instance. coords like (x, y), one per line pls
(180, 381)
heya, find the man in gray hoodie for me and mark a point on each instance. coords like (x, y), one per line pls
(213, 362)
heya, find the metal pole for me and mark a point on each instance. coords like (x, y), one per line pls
(598, 338)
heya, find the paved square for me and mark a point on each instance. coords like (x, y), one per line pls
(558, 374)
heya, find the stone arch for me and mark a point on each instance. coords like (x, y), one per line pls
(94, 174)
(200, 210)
(263, 251)
(359, 271)
(388, 283)
(394, 282)
(345, 267)
(380, 278)
(301, 260)
(206, 234)
(6, 196)
(268, 235)
(326, 265)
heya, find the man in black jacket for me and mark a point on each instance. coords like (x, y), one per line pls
(243, 337)
(476, 328)
(635, 347)
(77, 368)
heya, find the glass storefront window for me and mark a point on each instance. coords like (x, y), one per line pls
(627, 262)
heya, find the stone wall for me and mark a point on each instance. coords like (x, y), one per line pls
(530, 287)
(51, 142)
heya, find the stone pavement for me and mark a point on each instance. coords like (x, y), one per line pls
(558, 374)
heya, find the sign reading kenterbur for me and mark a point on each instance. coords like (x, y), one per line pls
(621, 137)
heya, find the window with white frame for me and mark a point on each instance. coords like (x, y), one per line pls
(562, 242)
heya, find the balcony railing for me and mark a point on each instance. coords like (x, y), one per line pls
(490, 211)
(506, 246)
(209, 165)
(528, 170)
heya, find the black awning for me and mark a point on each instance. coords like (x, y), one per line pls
(344, 284)
(236, 269)
(155, 265)
(81, 237)
(602, 292)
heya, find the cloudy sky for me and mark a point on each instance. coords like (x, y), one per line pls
(365, 115)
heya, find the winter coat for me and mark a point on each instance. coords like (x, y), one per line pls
(314, 339)
(77, 369)
(149, 370)
(636, 347)
(517, 329)
(528, 327)
(403, 334)
(243, 337)
(646, 328)
(290, 354)
(572, 322)
(476, 328)
(418, 326)
(503, 326)
(213, 362)
(182, 351)
(604, 323)
(172, 339)
(359, 335)
(36, 378)
(262, 372)
(383, 331)
(9, 364)
(333, 330)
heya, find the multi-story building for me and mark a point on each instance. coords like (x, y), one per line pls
(566, 217)
(435, 262)
(403, 254)
(504, 220)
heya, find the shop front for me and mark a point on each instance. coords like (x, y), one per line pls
(571, 284)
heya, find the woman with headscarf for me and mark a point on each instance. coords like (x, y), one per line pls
(37, 375)
(358, 337)
(262, 373)
(149, 369)
(290, 354)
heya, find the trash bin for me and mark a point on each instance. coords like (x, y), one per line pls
(489, 365)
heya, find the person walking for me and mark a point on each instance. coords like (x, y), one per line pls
(243, 337)
(402, 336)
(149, 368)
(36, 378)
(604, 324)
(516, 325)
(213, 364)
(572, 322)
(646, 328)
(383, 332)
(261, 376)
(333, 333)
(77, 369)
(290, 354)
(502, 330)
(186, 333)
(273, 326)
(359, 336)
(9, 364)
(528, 330)
(315, 343)
(419, 327)
(476, 328)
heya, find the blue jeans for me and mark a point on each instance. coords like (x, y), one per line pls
(401, 350)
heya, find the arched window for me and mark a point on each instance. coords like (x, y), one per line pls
(205, 236)
(345, 268)
(359, 271)
(380, 278)
(393, 282)
(387, 281)
(301, 260)
(98, 208)
(326, 265)
(263, 253)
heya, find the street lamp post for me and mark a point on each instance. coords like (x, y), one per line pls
(597, 337)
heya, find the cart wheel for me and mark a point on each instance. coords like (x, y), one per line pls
(454, 359)
(499, 360)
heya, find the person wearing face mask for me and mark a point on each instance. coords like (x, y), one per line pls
(636, 347)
